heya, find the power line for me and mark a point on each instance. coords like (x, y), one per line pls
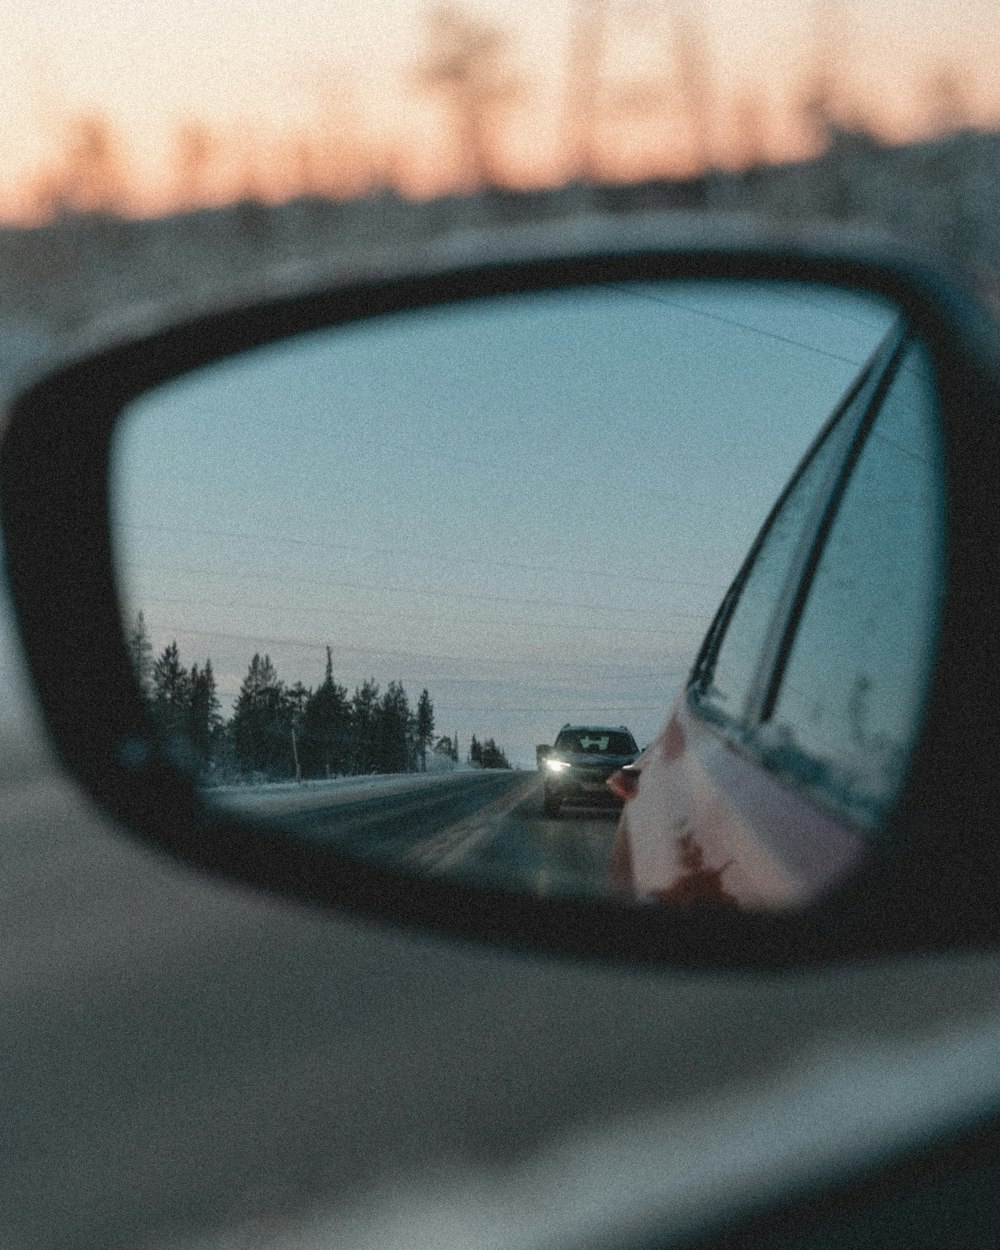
(645, 293)
(407, 552)
(567, 626)
(299, 579)
(258, 641)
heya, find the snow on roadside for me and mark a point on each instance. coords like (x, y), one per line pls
(284, 794)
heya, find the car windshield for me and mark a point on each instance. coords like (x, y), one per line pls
(597, 742)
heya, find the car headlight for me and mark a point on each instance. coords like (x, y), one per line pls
(556, 766)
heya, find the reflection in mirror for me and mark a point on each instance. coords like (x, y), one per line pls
(416, 588)
(851, 689)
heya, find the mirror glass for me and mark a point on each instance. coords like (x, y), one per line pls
(416, 588)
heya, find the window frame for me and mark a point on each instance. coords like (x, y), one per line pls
(859, 409)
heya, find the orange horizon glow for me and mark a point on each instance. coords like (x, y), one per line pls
(297, 168)
(672, 97)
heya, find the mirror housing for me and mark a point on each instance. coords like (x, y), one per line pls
(933, 889)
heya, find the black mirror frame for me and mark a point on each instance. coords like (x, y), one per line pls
(936, 890)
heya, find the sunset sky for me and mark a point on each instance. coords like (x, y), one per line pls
(328, 91)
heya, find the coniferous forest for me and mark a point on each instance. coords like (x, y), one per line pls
(279, 732)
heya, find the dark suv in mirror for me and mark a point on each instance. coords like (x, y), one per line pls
(578, 766)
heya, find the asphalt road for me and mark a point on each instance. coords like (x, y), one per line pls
(483, 826)
(180, 1059)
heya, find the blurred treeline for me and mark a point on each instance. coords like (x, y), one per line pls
(639, 96)
(942, 193)
(653, 133)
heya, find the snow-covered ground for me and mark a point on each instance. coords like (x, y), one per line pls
(300, 795)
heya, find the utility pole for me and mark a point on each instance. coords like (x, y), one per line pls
(583, 88)
(695, 80)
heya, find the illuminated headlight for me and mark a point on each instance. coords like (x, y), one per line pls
(556, 766)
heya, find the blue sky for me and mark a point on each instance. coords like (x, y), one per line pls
(531, 506)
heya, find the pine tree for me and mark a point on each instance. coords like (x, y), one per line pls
(140, 651)
(475, 752)
(298, 696)
(492, 756)
(394, 720)
(262, 722)
(425, 727)
(326, 728)
(364, 727)
(204, 718)
(171, 692)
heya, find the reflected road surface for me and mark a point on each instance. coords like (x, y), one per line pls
(485, 826)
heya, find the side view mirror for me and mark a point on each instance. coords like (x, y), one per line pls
(278, 583)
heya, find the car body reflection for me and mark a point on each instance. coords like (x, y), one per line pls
(781, 763)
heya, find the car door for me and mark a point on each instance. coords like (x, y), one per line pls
(781, 761)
